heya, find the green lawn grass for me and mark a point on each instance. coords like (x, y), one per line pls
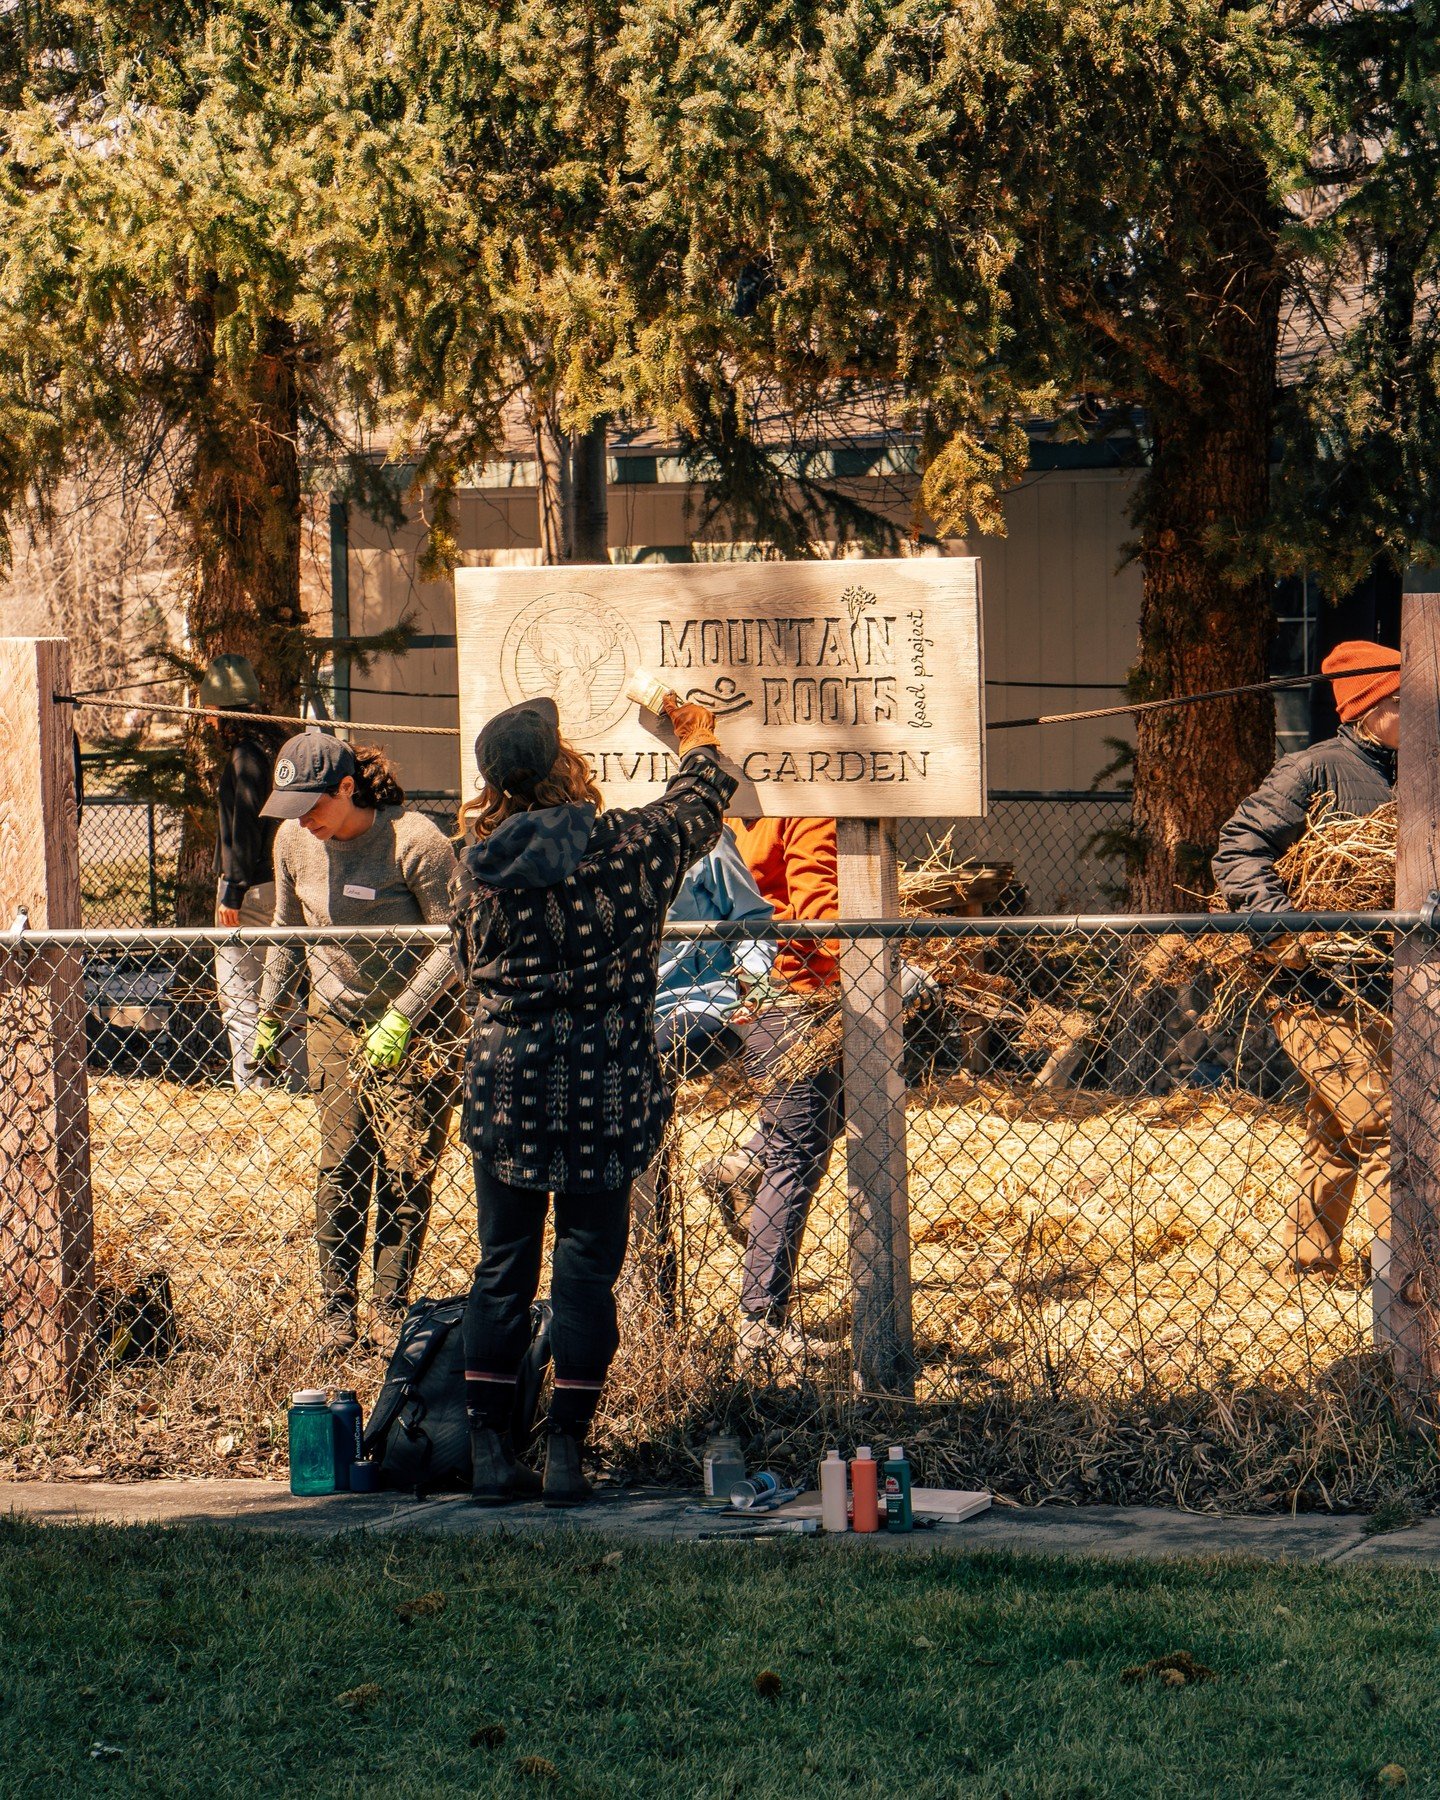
(198, 1662)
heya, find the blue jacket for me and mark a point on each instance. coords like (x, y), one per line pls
(699, 977)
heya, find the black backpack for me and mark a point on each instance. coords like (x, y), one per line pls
(418, 1428)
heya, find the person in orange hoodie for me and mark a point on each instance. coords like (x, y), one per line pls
(776, 1174)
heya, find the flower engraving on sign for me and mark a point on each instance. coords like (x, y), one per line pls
(577, 650)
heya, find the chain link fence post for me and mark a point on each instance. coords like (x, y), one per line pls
(46, 1218)
(1407, 1288)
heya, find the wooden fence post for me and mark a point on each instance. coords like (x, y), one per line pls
(47, 1273)
(1406, 1264)
(875, 1152)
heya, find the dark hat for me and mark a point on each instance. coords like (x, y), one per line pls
(308, 766)
(517, 749)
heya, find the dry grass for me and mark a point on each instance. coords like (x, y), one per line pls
(1083, 1256)
(1343, 863)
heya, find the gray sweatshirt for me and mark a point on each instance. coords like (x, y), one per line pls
(396, 873)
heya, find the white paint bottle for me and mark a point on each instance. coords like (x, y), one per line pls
(833, 1510)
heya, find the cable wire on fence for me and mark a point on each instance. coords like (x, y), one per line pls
(340, 726)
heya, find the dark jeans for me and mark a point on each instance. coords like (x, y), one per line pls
(690, 1046)
(799, 1123)
(353, 1170)
(591, 1233)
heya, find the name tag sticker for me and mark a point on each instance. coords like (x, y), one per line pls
(354, 891)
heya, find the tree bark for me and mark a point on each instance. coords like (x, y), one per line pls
(553, 487)
(242, 516)
(1207, 612)
(589, 466)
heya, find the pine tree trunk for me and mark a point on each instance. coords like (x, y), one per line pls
(243, 519)
(553, 488)
(1203, 625)
(589, 475)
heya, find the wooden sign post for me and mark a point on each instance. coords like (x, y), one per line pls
(1406, 1260)
(849, 690)
(876, 1161)
(46, 1232)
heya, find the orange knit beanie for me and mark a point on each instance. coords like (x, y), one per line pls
(1356, 694)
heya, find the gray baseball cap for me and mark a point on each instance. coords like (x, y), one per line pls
(312, 764)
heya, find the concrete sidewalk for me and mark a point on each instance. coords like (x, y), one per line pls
(666, 1517)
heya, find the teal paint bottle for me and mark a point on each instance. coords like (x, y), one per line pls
(899, 1506)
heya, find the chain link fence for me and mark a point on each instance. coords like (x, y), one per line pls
(1049, 851)
(1146, 1161)
(1058, 852)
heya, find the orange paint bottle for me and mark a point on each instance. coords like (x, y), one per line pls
(864, 1491)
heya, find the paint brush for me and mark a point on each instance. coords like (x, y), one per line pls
(648, 691)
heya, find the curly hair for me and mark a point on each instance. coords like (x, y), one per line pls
(376, 783)
(568, 783)
(233, 727)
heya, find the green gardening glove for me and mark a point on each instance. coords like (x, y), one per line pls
(265, 1051)
(387, 1042)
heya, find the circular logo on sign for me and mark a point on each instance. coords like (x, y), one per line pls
(284, 773)
(576, 649)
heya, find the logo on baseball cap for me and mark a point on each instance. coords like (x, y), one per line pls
(308, 766)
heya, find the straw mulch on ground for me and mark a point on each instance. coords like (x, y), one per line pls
(1087, 1251)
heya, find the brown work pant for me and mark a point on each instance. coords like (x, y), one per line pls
(1344, 1058)
(353, 1170)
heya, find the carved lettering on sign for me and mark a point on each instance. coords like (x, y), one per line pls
(820, 675)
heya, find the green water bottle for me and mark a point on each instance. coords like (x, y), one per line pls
(312, 1443)
(899, 1507)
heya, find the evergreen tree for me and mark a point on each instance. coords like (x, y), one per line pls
(158, 309)
(1079, 209)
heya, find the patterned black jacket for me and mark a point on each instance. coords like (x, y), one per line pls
(557, 936)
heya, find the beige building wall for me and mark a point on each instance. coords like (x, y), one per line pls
(1057, 609)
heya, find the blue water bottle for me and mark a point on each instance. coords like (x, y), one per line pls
(347, 1424)
(312, 1443)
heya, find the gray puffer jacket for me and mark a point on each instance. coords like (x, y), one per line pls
(1359, 777)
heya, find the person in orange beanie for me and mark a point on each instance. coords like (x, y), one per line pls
(1339, 1044)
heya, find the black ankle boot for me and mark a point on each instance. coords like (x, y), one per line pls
(496, 1479)
(565, 1483)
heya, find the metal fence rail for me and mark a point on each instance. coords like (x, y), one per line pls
(1113, 1135)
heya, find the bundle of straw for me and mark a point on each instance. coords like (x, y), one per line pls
(399, 1103)
(1342, 863)
(944, 883)
(964, 997)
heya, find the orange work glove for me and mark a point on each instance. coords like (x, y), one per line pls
(694, 725)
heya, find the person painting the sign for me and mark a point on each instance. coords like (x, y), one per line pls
(557, 930)
(1341, 1049)
(349, 853)
(245, 867)
(774, 1178)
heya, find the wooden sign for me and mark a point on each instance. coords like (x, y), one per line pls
(843, 689)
